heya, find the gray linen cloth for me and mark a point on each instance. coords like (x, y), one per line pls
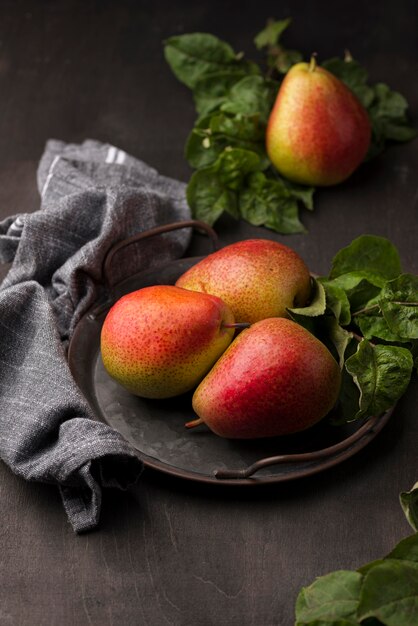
(92, 195)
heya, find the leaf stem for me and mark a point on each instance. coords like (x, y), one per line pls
(347, 56)
(367, 309)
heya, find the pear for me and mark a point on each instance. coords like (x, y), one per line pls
(257, 278)
(275, 378)
(318, 132)
(160, 341)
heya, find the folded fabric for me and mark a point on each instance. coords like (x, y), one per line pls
(92, 195)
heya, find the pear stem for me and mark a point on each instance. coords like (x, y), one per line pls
(194, 423)
(312, 63)
(237, 325)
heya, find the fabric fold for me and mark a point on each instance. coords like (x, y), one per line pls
(48, 432)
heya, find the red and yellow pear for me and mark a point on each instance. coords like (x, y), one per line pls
(257, 278)
(318, 132)
(160, 341)
(275, 378)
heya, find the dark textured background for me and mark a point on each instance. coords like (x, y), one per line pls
(170, 552)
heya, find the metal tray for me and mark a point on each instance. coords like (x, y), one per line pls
(156, 427)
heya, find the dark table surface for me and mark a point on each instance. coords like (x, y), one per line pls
(169, 551)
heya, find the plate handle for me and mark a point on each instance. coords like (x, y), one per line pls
(158, 230)
(365, 431)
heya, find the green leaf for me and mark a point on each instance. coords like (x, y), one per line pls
(208, 197)
(271, 34)
(360, 287)
(348, 70)
(213, 190)
(278, 57)
(399, 132)
(337, 301)
(340, 338)
(267, 202)
(273, 202)
(194, 55)
(373, 325)
(353, 75)
(239, 127)
(348, 402)
(399, 305)
(409, 503)
(211, 90)
(213, 133)
(383, 592)
(414, 352)
(388, 103)
(283, 60)
(324, 327)
(234, 164)
(331, 600)
(301, 192)
(407, 549)
(382, 374)
(369, 253)
(393, 315)
(389, 593)
(317, 305)
(234, 183)
(327, 330)
(202, 149)
(388, 114)
(252, 95)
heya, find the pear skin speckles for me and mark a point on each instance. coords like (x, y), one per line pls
(318, 132)
(160, 341)
(257, 278)
(275, 379)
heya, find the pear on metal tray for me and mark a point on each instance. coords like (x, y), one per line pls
(276, 378)
(257, 278)
(160, 341)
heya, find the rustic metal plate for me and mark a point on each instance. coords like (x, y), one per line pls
(156, 427)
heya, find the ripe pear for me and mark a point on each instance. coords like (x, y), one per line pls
(275, 378)
(160, 341)
(257, 278)
(318, 132)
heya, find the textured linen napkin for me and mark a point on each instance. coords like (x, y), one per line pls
(92, 195)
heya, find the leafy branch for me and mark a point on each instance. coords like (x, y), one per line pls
(367, 292)
(375, 307)
(366, 312)
(233, 98)
(381, 593)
